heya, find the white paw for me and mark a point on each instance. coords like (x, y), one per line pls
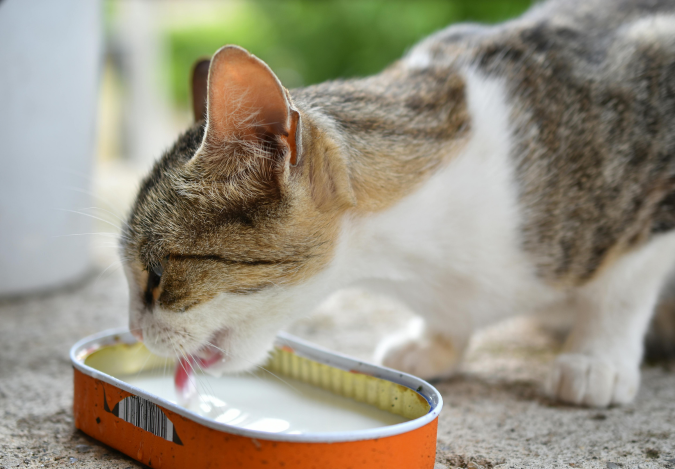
(424, 356)
(592, 381)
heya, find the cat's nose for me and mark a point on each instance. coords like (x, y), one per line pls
(138, 333)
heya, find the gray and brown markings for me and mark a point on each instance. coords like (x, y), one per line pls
(594, 131)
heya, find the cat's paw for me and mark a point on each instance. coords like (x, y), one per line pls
(592, 381)
(426, 356)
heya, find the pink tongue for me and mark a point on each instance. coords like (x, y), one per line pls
(184, 379)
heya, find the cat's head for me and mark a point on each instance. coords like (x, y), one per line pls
(234, 230)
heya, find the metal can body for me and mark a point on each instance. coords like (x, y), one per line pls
(161, 434)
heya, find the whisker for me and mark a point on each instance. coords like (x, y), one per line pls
(180, 362)
(110, 274)
(143, 366)
(279, 378)
(90, 193)
(255, 375)
(193, 375)
(91, 216)
(100, 233)
(106, 211)
(208, 389)
(226, 353)
(254, 364)
(116, 263)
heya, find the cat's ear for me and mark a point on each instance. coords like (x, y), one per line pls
(200, 77)
(247, 101)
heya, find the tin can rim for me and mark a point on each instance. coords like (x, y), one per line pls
(87, 345)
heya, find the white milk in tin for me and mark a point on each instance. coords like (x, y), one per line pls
(269, 403)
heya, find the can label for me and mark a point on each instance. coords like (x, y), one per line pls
(145, 415)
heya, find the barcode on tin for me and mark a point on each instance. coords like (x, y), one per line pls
(146, 415)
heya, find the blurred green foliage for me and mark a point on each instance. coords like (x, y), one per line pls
(306, 41)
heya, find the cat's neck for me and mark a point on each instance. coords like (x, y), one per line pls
(392, 131)
(471, 191)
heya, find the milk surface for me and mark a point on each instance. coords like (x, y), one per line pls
(267, 403)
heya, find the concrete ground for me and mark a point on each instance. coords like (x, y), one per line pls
(494, 414)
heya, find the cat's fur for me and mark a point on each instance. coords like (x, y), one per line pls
(492, 171)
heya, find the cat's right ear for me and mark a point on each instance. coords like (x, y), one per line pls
(200, 79)
(246, 102)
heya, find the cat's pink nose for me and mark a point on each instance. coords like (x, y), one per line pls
(138, 334)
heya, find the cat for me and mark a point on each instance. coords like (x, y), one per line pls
(526, 167)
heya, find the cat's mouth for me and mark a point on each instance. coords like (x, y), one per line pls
(207, 356)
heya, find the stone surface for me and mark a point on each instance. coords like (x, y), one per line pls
(495, 414)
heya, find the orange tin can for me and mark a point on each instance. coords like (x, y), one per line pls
(111, 406)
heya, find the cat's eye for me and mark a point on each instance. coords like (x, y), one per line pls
(158, 269)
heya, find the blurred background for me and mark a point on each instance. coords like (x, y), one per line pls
(130, 80)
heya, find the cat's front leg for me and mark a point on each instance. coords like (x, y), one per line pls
(600, 364)
(422, 350)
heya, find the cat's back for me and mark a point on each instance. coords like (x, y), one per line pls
(591, 88)
(577, 30)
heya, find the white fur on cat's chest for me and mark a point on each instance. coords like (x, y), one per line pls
(454, 244)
